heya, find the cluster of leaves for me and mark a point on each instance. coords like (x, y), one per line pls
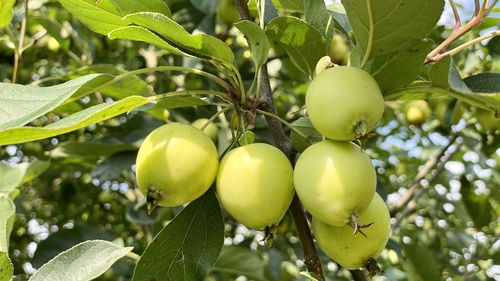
(72, 181)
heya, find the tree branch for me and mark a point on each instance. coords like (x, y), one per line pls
(311, 258)
(19, 50)
(407, 203)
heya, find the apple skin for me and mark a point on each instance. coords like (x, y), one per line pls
(254, 185)
(353, 251)
(178, 161)
(334, 180)
(211, 130)
(417, 112)
(342, 98)
(487, 119)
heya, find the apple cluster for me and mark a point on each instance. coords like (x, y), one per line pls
(334, 178)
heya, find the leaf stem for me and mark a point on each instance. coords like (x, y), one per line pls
(18, 54)
(133, 256)
(369, 47)
(289, 125)
(226, 109)
(431, 90)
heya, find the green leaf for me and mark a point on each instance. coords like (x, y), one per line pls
(247, 138)
(303, 43)
(208, 7)
(484, 82)
(90, 149)
(236, 261)
(84, 261)
(199, 44)
(308, 135)
(23, 104)
(288, 5)
(112, 167)
(6, 267)
(12, 177)
(338, 14)
(478, 206)
(138, 33)
(257, 38)
(65, 239)
(421, 263)
(8, 211)
(385, 26)
(73, 122)
(317, 15)
(103, 16)
(6, 12)
(187, 248)
(396, 70)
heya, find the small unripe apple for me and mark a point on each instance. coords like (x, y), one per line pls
(487, 119)
(355, 251)
(227, 12)
(335, 181)
(211, 129)
(417, 112)
(344, 103)
(254, 185)
(176, 164)
(339, 50)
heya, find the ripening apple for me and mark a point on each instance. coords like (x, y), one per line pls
(344, 103)
(176, 164)
(335, 181)
(487, 119)
(339, 50)
(354, 251)
(417, 112)
(254, 185)
(211, 129)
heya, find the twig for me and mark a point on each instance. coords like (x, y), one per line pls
(460, 48)
(19, 50)
(415, 192)
(479, 14)
(311, 258)
(422, 174)
(458, 22)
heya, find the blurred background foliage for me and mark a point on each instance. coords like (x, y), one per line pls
(87, 191)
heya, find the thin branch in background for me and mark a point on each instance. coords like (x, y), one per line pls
(19, 50)
(465, 45)
(492, 5)
(458, 22)
(408, 203)
(477, 7)
(480, 13)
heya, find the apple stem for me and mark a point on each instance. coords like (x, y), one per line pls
(269, 236)
(152, 200)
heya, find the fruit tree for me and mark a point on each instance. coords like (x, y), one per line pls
(263, 140)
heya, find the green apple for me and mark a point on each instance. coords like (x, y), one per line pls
(339, 50)
(487, 119)
(355, 251)
(254, 185)
(211, 129)
(417, 112)
(335, 181)
(344, 103)
(227, 12)
(176, 164)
